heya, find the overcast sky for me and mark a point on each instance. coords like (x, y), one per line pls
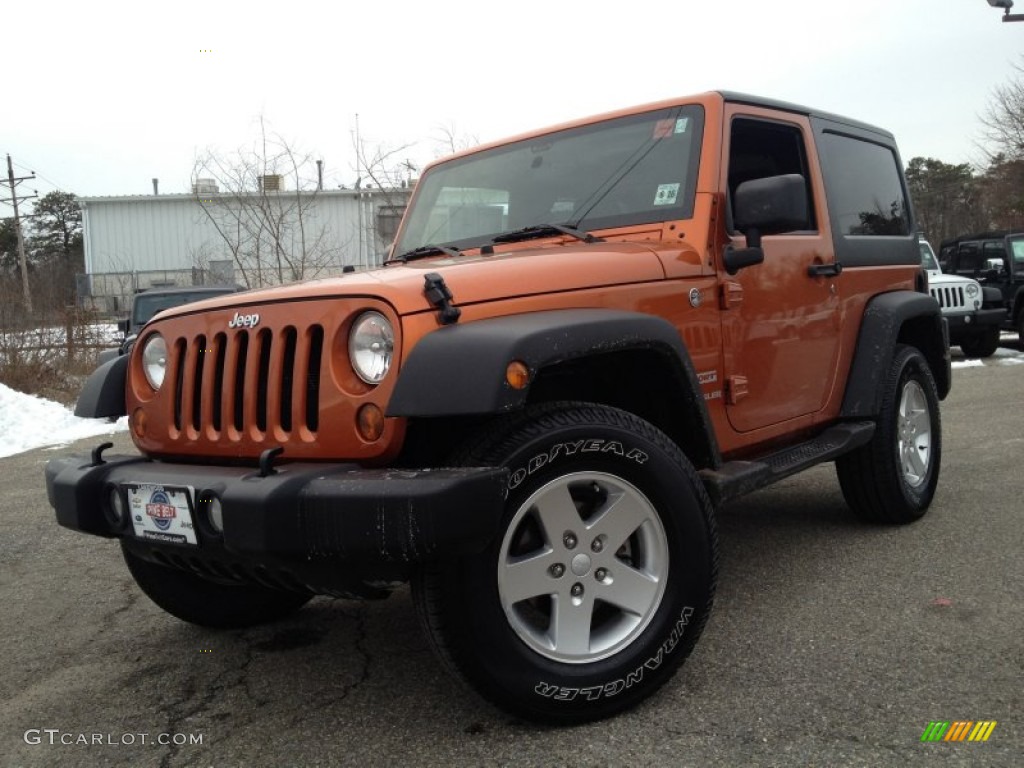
(100, 97)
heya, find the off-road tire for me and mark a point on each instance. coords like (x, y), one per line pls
(211, 604)
(981, 344)
(892, 478)
(567, 462)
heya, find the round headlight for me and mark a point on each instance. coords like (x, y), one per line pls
(371, 345)
(154, 360)
(971, 290)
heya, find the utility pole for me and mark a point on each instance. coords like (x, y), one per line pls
(359, 194)
(13, 182)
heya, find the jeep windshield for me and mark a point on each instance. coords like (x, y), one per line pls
(637, 169)
(928, 257)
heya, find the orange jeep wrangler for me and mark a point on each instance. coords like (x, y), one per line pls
(584, 340)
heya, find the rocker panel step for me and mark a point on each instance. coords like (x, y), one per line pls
(738, 478)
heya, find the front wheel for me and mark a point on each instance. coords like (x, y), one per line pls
(893, 478)
(601, 579)
(982, 344)
(208, 603)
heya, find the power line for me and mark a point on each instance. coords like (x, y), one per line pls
(51, 182)
(12, 183)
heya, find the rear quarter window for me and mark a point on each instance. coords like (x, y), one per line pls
(869, 211)
(867, 196)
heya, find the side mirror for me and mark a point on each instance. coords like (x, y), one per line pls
(765, 206)
(771, 205)
(122, 325)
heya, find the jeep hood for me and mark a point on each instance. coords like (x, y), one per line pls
(474, 279)
(938, 278)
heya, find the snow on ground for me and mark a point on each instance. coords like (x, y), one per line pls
(28, 422)
(1002, 356)
(102, 332)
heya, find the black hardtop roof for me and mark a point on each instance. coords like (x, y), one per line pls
(992, 234)
(191, 289)
(758, 101)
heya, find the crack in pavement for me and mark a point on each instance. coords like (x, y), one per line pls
(177, 712)
(358, 614)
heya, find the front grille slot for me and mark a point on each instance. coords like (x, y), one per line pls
(179, 380)
(287, 375)
(263, 382)
(238, 388)
(197, 382)
(316, 346)
(220, 346)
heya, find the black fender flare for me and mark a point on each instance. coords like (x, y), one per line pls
(883, 325)
(459, 369)
(104, 390)
(991, 296)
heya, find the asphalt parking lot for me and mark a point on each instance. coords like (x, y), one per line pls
(831, 643)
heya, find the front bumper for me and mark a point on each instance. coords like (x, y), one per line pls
(306, 523)
(972, 323)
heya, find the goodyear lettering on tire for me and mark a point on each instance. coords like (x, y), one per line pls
(564, 450)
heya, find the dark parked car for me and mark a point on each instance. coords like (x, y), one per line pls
(974, 313)
(994, 259)
(147, 304)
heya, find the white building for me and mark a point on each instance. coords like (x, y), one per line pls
(260, 238)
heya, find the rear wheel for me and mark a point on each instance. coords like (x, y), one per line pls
(220, 605)
(601, 578)
(892, 479)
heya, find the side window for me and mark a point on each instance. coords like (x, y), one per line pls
(970, 259)
(1017, 250)
(992, 251)
(759, 148)
(865, 189)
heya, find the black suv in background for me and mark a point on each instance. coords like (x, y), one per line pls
(994, 259)
(147, 303)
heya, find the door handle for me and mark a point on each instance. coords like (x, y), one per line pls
(825, 270)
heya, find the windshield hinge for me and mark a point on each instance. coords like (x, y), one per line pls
(439, 296)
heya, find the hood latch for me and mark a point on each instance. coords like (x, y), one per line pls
(440, 296)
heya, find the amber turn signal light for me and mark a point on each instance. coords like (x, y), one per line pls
(370, 422)
(517, 375)
(139, 421)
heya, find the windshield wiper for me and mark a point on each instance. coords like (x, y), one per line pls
(422, 252)
(544, 230)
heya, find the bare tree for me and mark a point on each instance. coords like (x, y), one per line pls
(262, 203)
(448, 140)
(1003, 119)
(385, 175)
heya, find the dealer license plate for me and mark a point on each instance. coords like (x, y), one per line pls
(162, 512)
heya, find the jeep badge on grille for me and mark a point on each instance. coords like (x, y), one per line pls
(244, 321)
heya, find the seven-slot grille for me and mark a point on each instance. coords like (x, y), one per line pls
(949, 296)
(247, 382)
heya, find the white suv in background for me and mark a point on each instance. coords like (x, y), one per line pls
(973, 317)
